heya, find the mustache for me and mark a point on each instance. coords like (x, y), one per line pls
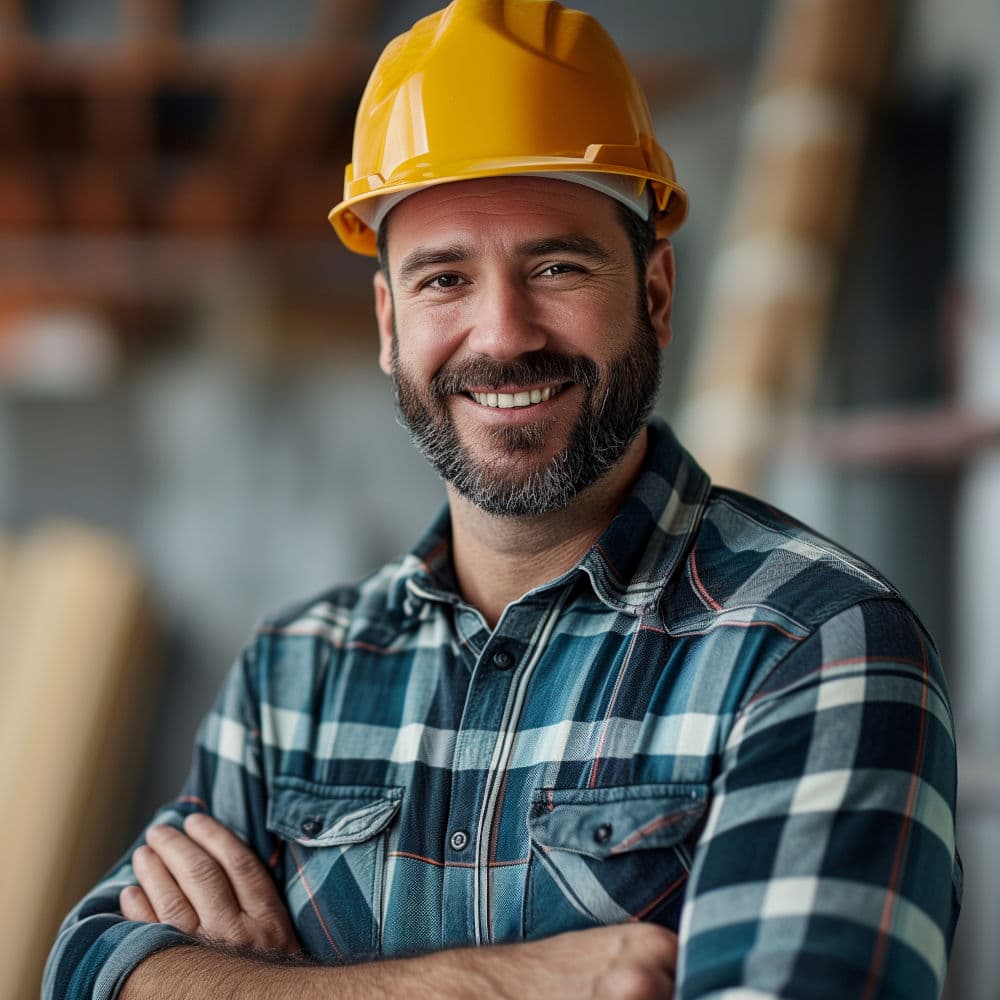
(540, 366)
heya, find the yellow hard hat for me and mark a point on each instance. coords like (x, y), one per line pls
(486, 88)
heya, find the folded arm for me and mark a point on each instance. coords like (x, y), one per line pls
(205, 880)
(627, 962)
(193, 913)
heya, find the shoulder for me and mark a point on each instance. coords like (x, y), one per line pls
(849, 614)
(749, 555)
(372, 610)
(299, 656)
(772, 599)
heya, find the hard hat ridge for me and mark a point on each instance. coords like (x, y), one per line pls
(532, 24)
(489, 88)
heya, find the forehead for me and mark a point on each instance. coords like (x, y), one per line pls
(501, 209)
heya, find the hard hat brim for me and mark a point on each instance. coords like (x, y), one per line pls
(670, 199)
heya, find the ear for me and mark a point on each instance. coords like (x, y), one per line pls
(660, 274)
(383, 315)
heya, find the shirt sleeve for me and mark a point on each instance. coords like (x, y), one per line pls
(827, 866)
(97, 948)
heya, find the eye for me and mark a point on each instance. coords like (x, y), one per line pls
(443, 281)
(555, 270)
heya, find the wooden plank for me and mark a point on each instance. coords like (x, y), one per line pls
(172, 270)
(25, 203)
(75, 650)
(99, 197)
(940, 437)
(12, 17)
(772, 290)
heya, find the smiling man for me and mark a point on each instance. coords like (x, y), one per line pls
(538, 344)
(608, 730)
(528, 366)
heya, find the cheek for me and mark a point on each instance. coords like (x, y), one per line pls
(426, 343)
(596, 332)
(422, 355)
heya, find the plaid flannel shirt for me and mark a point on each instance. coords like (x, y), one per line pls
(718, 721)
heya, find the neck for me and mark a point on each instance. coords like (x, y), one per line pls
(499, 559)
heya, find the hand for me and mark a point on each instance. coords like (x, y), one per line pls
(622, 962)
(206, 882)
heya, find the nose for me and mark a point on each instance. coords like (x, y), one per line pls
(504, 324)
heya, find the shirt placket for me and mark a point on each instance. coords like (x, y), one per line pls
(483, 754)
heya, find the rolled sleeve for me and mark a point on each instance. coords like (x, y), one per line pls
(94, 955)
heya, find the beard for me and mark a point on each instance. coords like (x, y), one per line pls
(616, 406)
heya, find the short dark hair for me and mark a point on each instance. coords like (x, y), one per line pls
(641, 234)
(382, 247)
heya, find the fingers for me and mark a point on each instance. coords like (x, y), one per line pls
(265, 919)
(255, 892)
(196, 875)
(206, 881)
(168, 902)
(135, 905)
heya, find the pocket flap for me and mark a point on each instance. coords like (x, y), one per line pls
(317, 815)
(603, 822)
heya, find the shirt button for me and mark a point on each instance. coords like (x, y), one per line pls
(603, 833)
(459, 840)
(502, 659)
(311, 826)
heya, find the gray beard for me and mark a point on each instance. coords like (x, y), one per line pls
(613, 412)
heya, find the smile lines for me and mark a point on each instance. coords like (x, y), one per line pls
(510, 400)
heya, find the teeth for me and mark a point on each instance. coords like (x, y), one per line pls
(508, 400)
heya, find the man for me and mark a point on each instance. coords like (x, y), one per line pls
(607, 730)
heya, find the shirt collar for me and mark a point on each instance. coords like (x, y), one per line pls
(643, 546)
(637, 553)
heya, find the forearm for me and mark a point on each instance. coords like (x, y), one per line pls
(195, 972)
(621, 962)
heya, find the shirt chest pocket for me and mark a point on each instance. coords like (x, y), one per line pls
(607, 855)
(333, 864)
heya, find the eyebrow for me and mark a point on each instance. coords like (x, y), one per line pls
(424, 257)
(572, 243)
(456, 253)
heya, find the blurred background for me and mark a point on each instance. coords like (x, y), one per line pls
(194, 430)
